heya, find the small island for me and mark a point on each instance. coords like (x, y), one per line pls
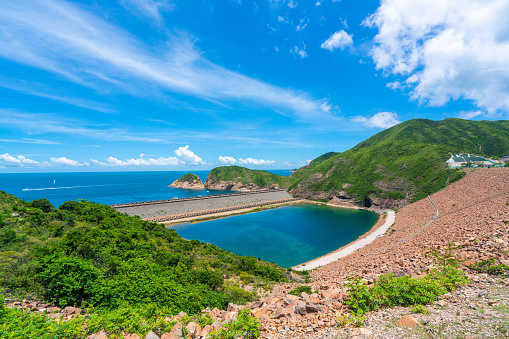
(188, 181)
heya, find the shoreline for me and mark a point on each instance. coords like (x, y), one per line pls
(365, 239)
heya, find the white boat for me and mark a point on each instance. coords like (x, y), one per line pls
(54, 182)
(25, 189)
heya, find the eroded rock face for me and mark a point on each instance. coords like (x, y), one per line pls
(188, 182)
(236, 186)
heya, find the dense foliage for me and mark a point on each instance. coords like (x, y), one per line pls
(246, 176)
(404, 161)
(189, 177)
(88, 254)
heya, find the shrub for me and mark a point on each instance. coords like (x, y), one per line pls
(43, 204)
(488, 266)
(298, 291)
(397, 195)
(390, 291)
(246, 326)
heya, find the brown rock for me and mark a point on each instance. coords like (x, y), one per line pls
(193, 329)
(99, 335)
(71, 310)
(408, 321)
(206, 330)
(175, 333)
(361, 331)
(313, 308)
(151, 335)
(259, 312)
(131, 336)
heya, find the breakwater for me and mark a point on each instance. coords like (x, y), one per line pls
(147, 210)
(151, 202)
(219, 210)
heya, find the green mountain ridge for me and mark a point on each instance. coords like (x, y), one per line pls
(401, 164)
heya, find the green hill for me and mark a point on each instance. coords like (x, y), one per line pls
(84, 254)
(189, 177)
(236, 177)
(401, 164)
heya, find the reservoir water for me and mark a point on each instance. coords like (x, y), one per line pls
(287, 235)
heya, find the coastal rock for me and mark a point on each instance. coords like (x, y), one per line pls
(189, 182)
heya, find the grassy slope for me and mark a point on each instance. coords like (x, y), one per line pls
(85, 253)
(409, 157)
(246, 176)
(189, 177)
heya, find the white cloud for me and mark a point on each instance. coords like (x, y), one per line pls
(446, 49)
(340, 39)
(326, 107)
(225, 160)
(300, 52)
(318, 3)
(251, 161)
(63, 39)
(470, 114)
(67, 162)
(302, 24)
(379, 120)
(291, 4)
(282, 19)
(186, 155)
(20, 160)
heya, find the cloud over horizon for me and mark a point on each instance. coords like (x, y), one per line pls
(380, 120)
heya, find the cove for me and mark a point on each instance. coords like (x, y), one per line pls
(288, 235)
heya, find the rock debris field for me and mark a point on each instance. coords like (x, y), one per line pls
(167, 208)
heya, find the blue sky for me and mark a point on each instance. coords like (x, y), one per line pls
(168, 85)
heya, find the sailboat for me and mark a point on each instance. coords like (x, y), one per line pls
(54, 182)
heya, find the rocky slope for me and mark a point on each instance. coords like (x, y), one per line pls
(189, 181)
(238, 178)
(400, 165)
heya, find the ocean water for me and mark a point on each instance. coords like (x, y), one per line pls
(101, 187)
(287, 235)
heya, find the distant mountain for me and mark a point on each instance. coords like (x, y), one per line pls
(401, 164)
(241, 178)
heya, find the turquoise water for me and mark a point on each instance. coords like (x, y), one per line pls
(287, 235)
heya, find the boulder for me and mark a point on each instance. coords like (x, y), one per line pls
(313, 308)
(131, 336)
(193, 329)
(69, 310)
(151, 335)
(99, 335)
(408, 321)
(206, 330)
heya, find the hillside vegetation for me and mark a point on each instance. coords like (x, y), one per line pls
(241, 176)
(401, 164)
(189, 177)
(84, 254)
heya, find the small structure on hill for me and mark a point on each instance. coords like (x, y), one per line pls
(464, 159)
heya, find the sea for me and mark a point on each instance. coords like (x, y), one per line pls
(287, 235)
(102, 187)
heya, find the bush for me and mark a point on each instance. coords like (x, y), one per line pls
(397, 195)
(43, 204)
(488, 266)
(246, 326)
(390, 291)
(298, 291)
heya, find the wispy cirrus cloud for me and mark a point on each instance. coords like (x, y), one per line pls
(227, 160)
(150, 8)
(63, 39)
